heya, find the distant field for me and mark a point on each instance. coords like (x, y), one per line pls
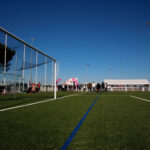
(116, 121)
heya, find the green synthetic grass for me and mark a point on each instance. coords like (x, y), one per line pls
(43, 126)
(145, 95)
(9, 101)
(116, 121)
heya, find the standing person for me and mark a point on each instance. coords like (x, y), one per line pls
(102, 86)
(74, 86)
(98, 87)
(33, 88)
(39, 86)
(70, 88)
(93, 86)
(88, 86)
(105, 87)
(78, 88)
(84, 88)
(65, 87)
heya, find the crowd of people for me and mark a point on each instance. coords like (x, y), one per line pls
(90, 87)
(65, 87)
(33, 88)
(93, 87)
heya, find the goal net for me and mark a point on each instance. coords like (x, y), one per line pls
(25, 69)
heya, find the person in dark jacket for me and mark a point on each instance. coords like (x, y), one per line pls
(98, 86)
(103, 86)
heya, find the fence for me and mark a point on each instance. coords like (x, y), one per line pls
(24, 68)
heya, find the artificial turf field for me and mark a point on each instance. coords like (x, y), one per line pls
(115, 122)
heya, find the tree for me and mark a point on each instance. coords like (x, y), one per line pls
(9, 55)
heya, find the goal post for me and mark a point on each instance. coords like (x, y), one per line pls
(55, 81)
(24, 68)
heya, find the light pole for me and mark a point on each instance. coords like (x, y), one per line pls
(87, 71)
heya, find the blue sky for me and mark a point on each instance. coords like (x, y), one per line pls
(110, 35)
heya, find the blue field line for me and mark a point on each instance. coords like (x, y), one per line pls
(68, 141)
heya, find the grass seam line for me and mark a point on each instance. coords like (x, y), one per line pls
(143, 99)
(30, 104)
(70, 138)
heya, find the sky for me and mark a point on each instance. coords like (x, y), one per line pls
(112, 36)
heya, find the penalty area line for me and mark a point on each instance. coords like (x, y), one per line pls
(30, 104)
(143, 99)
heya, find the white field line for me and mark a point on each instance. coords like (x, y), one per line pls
(30, 104)
(101, 95)
(115, 95)
(143, 99)
(86, 95)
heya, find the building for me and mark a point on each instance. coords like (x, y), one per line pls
(127, 84)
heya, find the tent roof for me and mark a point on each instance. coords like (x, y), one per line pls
(126, 81)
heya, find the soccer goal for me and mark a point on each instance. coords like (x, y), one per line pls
(25, 69)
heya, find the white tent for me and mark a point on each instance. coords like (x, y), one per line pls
(127, 82)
